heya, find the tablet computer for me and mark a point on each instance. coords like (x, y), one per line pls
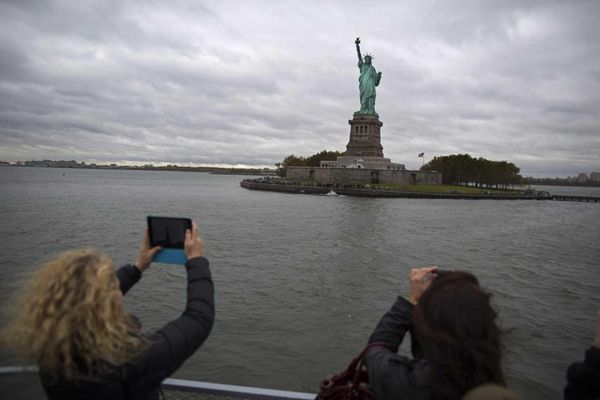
(168, 233)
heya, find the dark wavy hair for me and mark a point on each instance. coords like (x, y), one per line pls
(456, 326)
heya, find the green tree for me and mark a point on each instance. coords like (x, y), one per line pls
(310, 161)
(315, 159)
(289, 161)
(462, 169)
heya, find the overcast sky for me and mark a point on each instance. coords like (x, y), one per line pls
(250, 82)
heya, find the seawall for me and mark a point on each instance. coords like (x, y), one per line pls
(350, 191)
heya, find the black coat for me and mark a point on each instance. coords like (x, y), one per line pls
(168, 347)
(583, 379)
(392, 376)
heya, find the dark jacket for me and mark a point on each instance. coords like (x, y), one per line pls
(392, 376)
(583, 379)
(168, 347)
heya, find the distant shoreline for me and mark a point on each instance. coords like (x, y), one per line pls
(231, 171)
(563, 185)
(211, 170)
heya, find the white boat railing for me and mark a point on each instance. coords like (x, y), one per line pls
(217, 389)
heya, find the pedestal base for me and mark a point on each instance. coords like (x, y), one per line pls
(362, 162)
(365, 136)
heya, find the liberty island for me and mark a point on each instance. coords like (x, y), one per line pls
(363, 161)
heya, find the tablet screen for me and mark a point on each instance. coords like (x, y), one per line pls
(168, 232)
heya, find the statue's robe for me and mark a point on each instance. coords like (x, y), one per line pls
(367, 82)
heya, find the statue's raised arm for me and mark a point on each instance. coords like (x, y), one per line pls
(357, 41)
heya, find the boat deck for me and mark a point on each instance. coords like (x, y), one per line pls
(22, 383)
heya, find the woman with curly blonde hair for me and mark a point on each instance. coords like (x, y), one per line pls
(72, 323)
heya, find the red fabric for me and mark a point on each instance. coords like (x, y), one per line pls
(350, 384)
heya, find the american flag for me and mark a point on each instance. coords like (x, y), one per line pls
(421, 154)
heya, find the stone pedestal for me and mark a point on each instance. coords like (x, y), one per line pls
(363, 161)
(365, 136)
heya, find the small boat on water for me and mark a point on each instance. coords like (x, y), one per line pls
(331, 193)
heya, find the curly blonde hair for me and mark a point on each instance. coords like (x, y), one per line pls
(71, 320)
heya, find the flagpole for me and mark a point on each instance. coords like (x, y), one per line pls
(422, 155)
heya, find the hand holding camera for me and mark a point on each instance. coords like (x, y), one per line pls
(420, 280)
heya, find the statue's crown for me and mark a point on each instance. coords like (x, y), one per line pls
(369, 55)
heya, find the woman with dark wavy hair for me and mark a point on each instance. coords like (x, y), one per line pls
(455, 341)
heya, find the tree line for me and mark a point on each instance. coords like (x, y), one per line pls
(462, 169)
(311, 161)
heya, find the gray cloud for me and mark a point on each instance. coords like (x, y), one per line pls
(251, 82)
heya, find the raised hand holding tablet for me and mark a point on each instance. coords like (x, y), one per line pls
(194, 247)
(147, 253)
(169, 233)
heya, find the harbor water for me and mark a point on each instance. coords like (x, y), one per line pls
(302, 280)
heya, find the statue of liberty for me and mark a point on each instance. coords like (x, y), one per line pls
(368, 80)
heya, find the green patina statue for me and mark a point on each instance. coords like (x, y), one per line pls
(368, 80)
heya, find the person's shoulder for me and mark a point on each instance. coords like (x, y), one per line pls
(490, 391)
